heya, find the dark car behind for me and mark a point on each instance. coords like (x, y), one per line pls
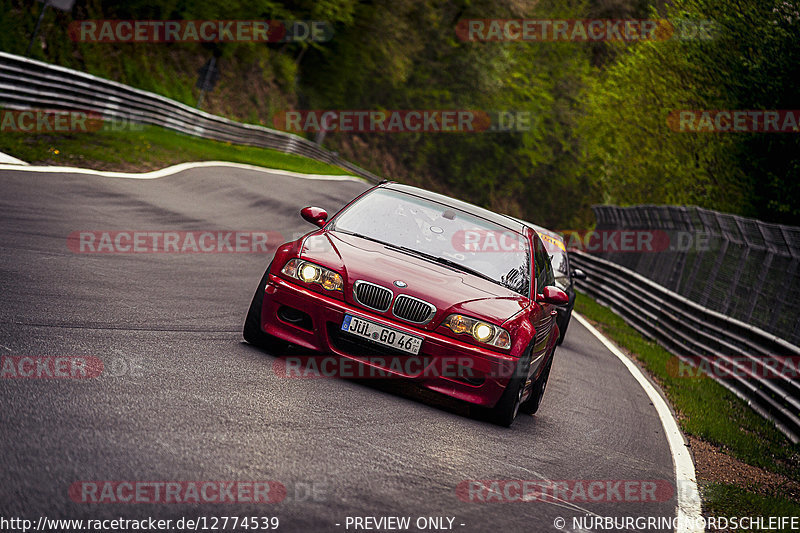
(564, 273)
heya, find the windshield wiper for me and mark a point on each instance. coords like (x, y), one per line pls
(452, 264)
(373, 239)
(430, 257)
(388, 244)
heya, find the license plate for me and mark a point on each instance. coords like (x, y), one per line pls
(381, 334)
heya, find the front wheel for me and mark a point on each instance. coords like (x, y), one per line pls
(252, 332)
(532, 404)
(508, 406)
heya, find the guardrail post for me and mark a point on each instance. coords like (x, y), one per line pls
(36, 29)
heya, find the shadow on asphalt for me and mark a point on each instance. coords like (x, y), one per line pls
(402, 387)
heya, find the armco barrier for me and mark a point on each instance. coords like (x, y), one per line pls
(695, 333)
(741, 267)
(687, 329)
(29, 84)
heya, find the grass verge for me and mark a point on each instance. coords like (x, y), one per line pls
(724, 499)
(710, 414)
(149, 149)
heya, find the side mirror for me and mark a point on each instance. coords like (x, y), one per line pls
(553, 295)
(315, 215)
(578, 274)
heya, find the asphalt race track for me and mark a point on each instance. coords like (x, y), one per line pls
(183, 398)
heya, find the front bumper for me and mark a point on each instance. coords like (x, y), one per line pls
(444, 364)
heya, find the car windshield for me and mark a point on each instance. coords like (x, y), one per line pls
(441, 233)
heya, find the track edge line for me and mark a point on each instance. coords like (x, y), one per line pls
(175, 169)
(689, 510)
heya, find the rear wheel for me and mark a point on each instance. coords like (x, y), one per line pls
(562, 328)
(252, 332)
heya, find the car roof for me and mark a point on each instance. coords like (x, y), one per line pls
(501, 220)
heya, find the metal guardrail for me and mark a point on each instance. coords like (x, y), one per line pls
(741, 267)
(743, 357)
(30, 84)
(682, 326)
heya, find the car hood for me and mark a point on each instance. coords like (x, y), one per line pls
(450, 290)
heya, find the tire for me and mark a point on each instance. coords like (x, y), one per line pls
(252, 331)
(563, 330)
(507, 408)
(532, 404)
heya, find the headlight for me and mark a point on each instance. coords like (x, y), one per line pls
(311, 273)
(481, 331)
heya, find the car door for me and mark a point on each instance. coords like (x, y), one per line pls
(544, 318)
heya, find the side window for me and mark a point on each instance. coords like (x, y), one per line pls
(549, 275)
(542, 264)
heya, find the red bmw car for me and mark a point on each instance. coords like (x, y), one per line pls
(404, 274)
